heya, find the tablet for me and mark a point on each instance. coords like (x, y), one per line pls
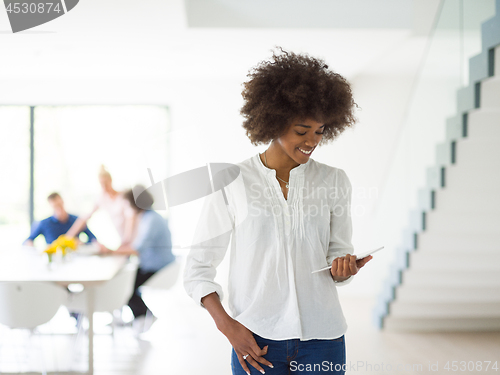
(358, 257)
(365, 254)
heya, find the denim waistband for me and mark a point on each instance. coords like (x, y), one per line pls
(340, 339)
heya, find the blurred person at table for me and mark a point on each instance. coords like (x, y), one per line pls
(153, 245)
(57, 224)
(114, 204)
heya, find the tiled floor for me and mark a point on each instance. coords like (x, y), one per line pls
(185, 341)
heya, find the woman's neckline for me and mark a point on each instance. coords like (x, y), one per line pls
(296, 169)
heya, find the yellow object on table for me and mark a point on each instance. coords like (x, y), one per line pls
(62, 242)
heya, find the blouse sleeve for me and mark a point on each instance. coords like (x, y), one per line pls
(209, 246)
(340, 222)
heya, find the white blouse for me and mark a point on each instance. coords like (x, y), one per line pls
(275, 244)
(118, 210)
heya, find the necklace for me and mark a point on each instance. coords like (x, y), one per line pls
(286, 183)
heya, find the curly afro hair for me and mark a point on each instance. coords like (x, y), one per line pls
(295, 86)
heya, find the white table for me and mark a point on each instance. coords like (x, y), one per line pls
(28, 265)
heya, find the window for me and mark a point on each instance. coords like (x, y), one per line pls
(14, 172)
(70, 144)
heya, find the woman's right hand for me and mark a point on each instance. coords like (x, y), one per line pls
(243, 342)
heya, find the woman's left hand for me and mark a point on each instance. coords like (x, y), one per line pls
(345, 267)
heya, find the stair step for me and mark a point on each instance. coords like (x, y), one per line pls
(478, 151)
(484, 178)
(450, 310)
(450, 260)
(459, 242)
(478, 223)
(413, 293)
(484, 122)
(478, 66)
(453, 278)
(490, 92)
(497, 61)
(457, 198)
(466, 98)
(440, 324)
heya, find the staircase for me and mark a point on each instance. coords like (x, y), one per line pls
(447, 275)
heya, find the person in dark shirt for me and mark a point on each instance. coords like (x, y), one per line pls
(59, 223)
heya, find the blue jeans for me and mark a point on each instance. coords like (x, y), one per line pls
(298, 357)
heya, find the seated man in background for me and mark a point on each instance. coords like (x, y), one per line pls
(58, 224)
(153, 245)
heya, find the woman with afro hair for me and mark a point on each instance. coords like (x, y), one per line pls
(284, 216)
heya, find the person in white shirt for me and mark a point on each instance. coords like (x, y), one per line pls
(118, 209)
(283, 216)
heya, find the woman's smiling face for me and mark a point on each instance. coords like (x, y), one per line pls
(300, 139)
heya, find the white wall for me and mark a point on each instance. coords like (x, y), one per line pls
(206, 127)
(125, 56)
(383, 159)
